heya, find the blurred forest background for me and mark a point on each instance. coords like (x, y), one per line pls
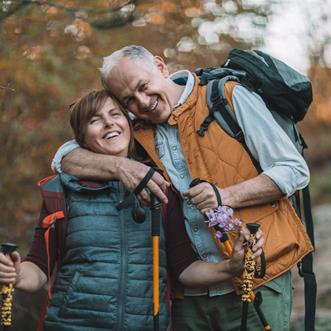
(50, 52)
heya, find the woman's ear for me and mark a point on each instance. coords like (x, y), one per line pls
(161, 65)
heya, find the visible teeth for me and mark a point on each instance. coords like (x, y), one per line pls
(111, 135)
(154, 106)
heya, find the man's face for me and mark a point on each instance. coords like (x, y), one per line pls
(143, 88)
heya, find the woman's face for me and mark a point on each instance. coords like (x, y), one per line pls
(108, 131)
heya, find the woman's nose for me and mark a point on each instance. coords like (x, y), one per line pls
(108, 122)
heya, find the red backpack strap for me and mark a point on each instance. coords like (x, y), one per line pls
(55, 228)
(48, 223)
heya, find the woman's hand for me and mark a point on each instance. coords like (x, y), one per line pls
(10, 268)
(238, 252)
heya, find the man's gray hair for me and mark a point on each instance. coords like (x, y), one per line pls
(133, 52)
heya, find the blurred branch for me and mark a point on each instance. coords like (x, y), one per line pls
(7, 88)
(112, 21)
(13, 9)
(86, 9)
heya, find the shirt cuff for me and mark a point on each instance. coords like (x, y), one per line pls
(64, 150)
(286, 179)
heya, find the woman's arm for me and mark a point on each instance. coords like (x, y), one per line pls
(205, 274)
(26, 276)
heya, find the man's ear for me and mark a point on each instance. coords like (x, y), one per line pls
(161, 65)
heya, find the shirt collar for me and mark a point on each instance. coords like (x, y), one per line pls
(183, 77)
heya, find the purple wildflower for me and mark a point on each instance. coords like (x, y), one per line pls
(222, 218)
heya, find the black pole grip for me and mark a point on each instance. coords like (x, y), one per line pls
(253, 227)
(8, 248)
(156, 215)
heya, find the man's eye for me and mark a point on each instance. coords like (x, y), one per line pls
(128, 101)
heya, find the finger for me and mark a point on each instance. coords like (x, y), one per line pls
(257, 253)
(205, 210)
(258, 234)
(201, 202)
(203, 199)
(8, 274)
(7, 280)
(245, 233)
(144, 198)
(258, 245)
(159, 180)
(195, 190)
(157, 190)
(15, 257)
(4, 269)
(6, 260)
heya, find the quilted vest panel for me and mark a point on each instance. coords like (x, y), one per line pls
(222, 160)
(105, 280)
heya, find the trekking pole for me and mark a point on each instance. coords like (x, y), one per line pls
(7, 292)
(248, 274)
(222, 225)
(156, 222)
(255, 299)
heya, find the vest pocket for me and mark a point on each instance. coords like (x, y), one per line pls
(87, 307)
(254, 214)
(69, 292)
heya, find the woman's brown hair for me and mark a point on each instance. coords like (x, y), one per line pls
(85, 108)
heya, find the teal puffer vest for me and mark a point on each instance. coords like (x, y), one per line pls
(105, 279)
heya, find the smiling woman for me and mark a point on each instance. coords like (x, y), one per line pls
(101, 125)
(105, 278)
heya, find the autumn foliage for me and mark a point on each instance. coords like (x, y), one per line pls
(50, 54)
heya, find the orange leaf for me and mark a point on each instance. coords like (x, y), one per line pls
(156, 19)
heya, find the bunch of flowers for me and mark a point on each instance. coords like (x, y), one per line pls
(221, 218)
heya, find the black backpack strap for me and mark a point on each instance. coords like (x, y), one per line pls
(306, 266)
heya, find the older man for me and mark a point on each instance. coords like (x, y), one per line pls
(169, 110)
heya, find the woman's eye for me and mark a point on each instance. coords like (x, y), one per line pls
(93, 120)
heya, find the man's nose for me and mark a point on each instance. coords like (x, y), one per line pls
(143, 101)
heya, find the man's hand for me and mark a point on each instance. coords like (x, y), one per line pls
(202, 196)
(131, 173)
(255, 191)
(88, 165)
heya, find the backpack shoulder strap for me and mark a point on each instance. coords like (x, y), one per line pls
(55, 222)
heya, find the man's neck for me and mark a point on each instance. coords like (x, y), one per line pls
(176, 92)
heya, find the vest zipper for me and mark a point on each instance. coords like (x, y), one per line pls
(123, 268)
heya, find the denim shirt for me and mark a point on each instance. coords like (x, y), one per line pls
(171, 155)
(170, 152)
